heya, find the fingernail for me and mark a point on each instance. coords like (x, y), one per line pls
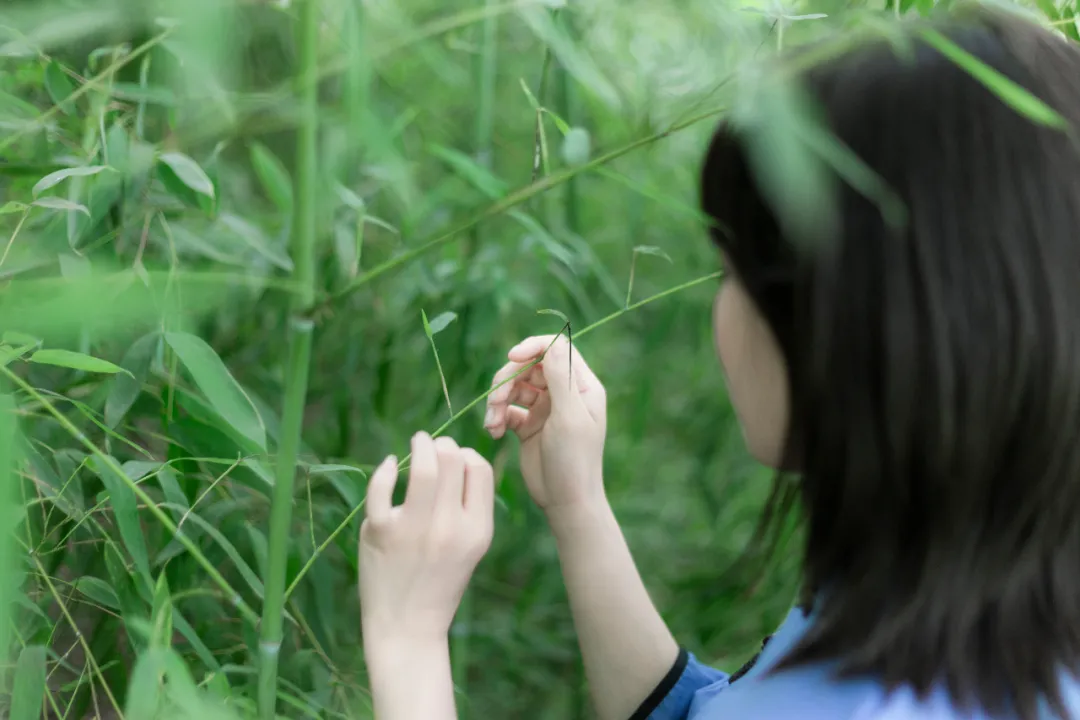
(489, 416)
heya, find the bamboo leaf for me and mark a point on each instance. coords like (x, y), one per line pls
(577, 146)
(59, 87)
(273, 176)
(478, 176)
(440, 322)
(219, 538)
(28, 688)
(189, 173)
(55, 203)
(323, 469)
(126, 386)
(557, 313)
(161, 614)
(53, 179)
(438, 363)
(652, 250)
(1011, 93)
(218, 385)
(98, 590)
(75, 361)
(126, 514)
(8, 354)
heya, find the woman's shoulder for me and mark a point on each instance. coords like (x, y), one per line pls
(814, 692)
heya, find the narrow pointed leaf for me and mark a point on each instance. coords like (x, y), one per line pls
(54, 179)
(189, 173)
(127, 386)
(218, 385)
(75, 361)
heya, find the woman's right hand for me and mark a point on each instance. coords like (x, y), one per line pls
(558, 410)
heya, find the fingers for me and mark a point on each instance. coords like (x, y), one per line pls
(479, 489)
(566, 376)
(451, 487)
(423, 474)
(380, 491)
(515, 383)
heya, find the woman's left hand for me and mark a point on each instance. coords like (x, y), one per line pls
(416, 559)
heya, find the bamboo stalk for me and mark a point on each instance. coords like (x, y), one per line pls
(487, 74)
(298, 367)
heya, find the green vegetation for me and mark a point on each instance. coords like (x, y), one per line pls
(247, 248)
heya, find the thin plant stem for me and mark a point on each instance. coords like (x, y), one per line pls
(161, 516)
(299, 361)
(103, 76)
(510, 201)
(460, 413)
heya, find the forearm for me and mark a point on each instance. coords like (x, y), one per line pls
(410, 679)
(626, 646)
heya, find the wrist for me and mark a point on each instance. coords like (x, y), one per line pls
(572, 523)
(390, 651)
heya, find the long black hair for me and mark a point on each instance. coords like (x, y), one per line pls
(934, 367)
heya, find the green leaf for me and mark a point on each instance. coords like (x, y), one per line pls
(577, 146)
(1011, 93)
(478, 176)
(439, 322)
(55, 178)
(60, 87)
(322, 469)
(189, 173)
(55, 203)
(125, 387)
(257, 240)
(98, 590)
(75, 361)
(28, 689)
(652, 250)
(125, 512)
(12, 337)
(351, 199)
(273, 176)
(556, 313)
(8, 354)
(242, 567)
(12, 207)
(219, 387)
(161, 614)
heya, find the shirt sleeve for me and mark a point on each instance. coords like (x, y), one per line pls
(672, 698)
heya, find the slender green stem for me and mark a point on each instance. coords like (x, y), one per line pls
(510, 201)
(460, 413)
(9, 504)
(43, 119)
(155, 510)
(299, 360)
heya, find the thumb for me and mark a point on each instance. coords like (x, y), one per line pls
(562, 366)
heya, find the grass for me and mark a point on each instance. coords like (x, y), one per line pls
(207, 345)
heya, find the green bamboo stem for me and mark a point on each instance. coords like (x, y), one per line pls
(298, 367)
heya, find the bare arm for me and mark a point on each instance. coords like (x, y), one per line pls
(411, 680)
(625, 644)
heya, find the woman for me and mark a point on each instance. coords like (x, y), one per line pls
(922, 381)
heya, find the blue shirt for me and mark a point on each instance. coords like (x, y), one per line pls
(693, 691)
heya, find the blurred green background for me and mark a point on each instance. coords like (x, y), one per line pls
(477, 162)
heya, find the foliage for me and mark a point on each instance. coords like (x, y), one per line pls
(171, 252)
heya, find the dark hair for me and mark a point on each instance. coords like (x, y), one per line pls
(934, 368)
